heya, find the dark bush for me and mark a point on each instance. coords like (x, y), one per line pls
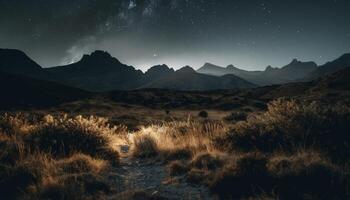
(207, 161)
(236, 116)
(177, 168)
(249, 176)
(67, 136)
(288, 125)
(203, 114)
(308, 174)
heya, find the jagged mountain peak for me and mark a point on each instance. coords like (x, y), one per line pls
(232, 67)
(99, 57)
(208, 65)
(299, 64)
(186, 69)
(162, 67)
(158, 71)
(270, 68)
(295, 61)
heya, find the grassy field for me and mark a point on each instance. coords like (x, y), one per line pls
(291, 150)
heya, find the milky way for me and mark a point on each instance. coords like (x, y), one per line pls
(247, 33)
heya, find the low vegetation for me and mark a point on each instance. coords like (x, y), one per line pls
(293, 150)
(203, 114)
(236, 117)
(55, 157)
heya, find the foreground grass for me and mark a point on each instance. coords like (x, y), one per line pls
(291, 151)
(56, 157)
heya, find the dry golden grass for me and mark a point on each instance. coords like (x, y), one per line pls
(57, 157)
(176, 140)
(292, 151)
(300, 147)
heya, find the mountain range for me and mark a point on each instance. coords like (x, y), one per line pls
(25, 84)
(100, 72)
(296, 71)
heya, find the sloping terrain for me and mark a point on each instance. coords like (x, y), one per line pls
(22, 92)
(330, 68)
(329, 89)
(17, 62)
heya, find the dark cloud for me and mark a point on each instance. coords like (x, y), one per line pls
(247, 33)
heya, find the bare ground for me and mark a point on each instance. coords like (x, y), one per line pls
(141, 175)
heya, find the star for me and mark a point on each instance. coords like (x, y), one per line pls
(132, 4)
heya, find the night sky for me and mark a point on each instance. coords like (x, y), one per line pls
(250, 34)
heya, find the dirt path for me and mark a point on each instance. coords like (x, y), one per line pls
(139, 175)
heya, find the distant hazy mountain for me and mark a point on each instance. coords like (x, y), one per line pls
(294, 71)
(18, 91)
(330, 67)
(214, 70)
(99, 72)
(187, 78)
(17, 62)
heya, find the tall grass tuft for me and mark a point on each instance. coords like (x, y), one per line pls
(56, 157)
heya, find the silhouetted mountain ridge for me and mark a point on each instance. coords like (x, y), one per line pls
(99, 71)
(157, 72)
(13, 61)
(330, 67)
(187, 78)
(21, 92)
(289, 73)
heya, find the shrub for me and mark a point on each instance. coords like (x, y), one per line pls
(308, 174)
(176, 154)
(80, 163)
(207, 161)
(199, 176)
(74, 186)
(288, 125)
(66, 136)
(175, 140)
(11, 150)
(248, 176)
(45, 160)
(177, 168)
(144, 146)
(236, 116)
(13, 124)
(16, 179)
(38, 176)
(203, 114)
